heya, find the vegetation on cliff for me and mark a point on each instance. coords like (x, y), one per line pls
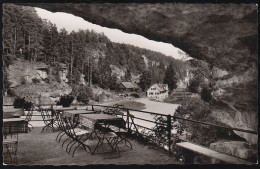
(27, 36)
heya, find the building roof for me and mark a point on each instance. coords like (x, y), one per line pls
(161, 87)
(129, 85)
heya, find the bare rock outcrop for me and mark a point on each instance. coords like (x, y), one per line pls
(236, 148)
(35, 82)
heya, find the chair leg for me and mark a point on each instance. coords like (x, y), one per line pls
(64, 142)
(43, 128)
(90, 135)
(61, 136)
(74, 143)
(58, 135)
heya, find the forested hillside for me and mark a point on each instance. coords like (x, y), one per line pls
(27, 36)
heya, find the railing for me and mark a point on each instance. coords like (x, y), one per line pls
(168, 123)
(132, 127)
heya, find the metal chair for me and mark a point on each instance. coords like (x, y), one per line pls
(10, 143)
(108, 140)
(76, 135)
(29, 118)
(61, 126)
(121, 132)
(48, 119)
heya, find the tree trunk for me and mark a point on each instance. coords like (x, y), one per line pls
(71, 62)
(29, 48)
(35, 49)
(14, 40)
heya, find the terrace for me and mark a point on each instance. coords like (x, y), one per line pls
(41, 148)
(36, 148)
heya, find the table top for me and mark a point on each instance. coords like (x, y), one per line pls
(13, 120)
(11, 110)
(102, 118)
(64, 108)
(78, 111)
(99, 116)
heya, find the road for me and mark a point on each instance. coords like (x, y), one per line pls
(153, 106)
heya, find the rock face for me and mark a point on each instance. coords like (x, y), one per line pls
(236, 148)
(29, 80)
(224, 35)
(221, 34)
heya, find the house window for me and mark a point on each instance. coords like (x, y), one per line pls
(156, 93)
(153, 88)
(151, 93)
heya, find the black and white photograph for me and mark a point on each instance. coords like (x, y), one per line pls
(129, 83)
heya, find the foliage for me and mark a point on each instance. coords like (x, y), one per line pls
(145, 80)
(65, 100)
(170, 78)
(82, 93)
(27, 36)
(194, 85)
(206, 93)
(135, 95)
(197, 109)
(22, 103)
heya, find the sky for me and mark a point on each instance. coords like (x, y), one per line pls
(71, 22)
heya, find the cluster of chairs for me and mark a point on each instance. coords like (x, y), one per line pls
(122, 133)
(75, 134)
(49, 119)
(83, 136)
(106, 138)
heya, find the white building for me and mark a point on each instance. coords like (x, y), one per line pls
(158, 92)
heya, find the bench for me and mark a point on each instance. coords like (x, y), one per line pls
(189, 150)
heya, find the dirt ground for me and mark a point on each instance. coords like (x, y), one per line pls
(38, 148)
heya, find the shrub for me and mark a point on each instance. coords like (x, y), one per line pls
(194, 85)
(206, 94)
(22, 103)
(135, 95)
(65, 100)
(197, 109)
(82, 93)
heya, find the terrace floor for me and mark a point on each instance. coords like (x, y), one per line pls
(36, 148)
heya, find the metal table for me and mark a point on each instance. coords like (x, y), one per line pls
(94, 121)
(74, 114)
(12, 112)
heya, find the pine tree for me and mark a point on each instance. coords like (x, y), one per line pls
(170, 78)
(145, 80)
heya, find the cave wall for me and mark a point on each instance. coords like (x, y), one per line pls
(224, 35)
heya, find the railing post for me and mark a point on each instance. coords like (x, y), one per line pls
(127, 113)
(169, 129)
(92, 107)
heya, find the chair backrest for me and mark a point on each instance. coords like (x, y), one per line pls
(29, 115)
(60, 121)
(45, 114)
(70, 128)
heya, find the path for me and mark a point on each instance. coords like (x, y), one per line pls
(153, 106)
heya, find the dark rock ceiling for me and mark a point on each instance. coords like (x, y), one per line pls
(224, 35)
